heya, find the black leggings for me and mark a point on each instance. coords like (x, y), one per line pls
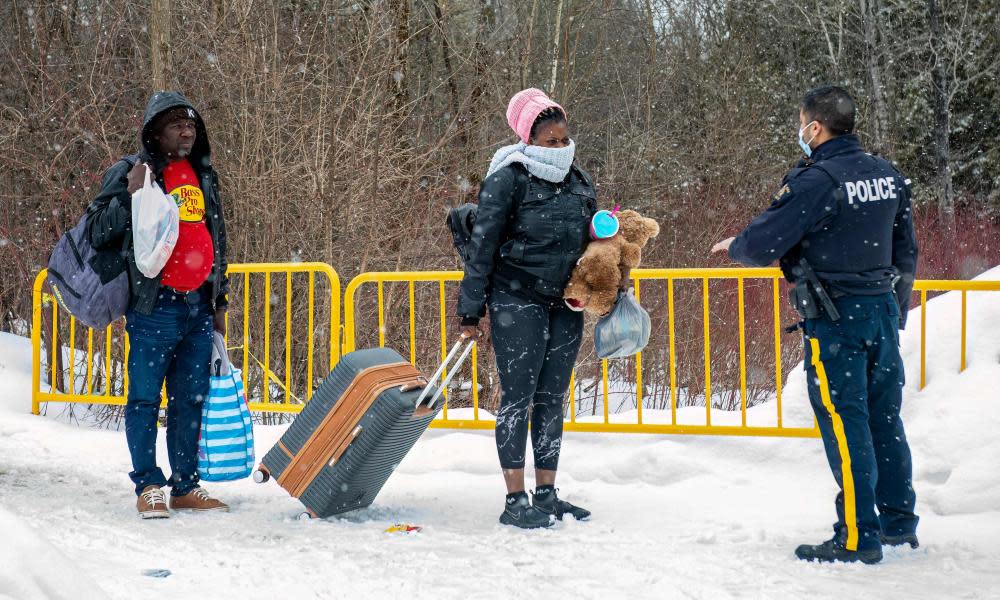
(536, 345)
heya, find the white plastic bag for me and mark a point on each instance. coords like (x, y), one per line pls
(155, 225)
(624, 331)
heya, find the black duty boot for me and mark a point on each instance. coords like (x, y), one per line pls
(546, 499)
(834, 551)
(900, 540)
(519, 512)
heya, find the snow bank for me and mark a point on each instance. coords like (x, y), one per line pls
(953, 424)
(31, 567)
(674, 516)
(15, 373)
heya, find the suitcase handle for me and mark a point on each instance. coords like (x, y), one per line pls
(417, 384)
(451, 373)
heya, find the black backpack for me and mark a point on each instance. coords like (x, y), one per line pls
(461, 221)
(92, 285)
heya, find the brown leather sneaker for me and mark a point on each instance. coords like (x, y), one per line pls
(152, 503)
(197, 500)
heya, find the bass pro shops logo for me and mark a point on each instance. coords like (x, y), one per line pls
(190, 203)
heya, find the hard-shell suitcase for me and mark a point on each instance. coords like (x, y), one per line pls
(357, 427)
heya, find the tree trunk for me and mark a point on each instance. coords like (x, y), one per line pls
(486, 24)
(159, 40)
(870, 20)
(555, 47)
(400, 10)
(526, 59)
(449, 73)
(651, 57)
(942, 113)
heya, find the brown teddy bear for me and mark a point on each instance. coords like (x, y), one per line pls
(593, 287)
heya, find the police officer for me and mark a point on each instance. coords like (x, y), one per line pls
(842, 230)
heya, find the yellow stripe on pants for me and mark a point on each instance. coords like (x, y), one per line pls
(850, 514)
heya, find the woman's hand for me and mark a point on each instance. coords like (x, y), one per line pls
(626, 280)
(470, 332)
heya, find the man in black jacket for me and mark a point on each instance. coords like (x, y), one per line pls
(171, 316)
(842, 228)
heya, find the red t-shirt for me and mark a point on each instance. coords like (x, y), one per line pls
(191, 262)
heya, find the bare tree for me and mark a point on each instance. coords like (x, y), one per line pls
(872, 26)
(556, 35)
(159, 42)
(963, 53)
(942, 87)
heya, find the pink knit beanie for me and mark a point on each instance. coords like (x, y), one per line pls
(524, 108)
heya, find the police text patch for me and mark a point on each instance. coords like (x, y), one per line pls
(870, 190)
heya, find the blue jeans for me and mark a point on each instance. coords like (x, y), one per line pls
(175, 343)
(855, 378)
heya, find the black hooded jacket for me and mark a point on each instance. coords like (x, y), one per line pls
(109, 216)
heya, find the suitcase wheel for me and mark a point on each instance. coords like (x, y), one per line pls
(261, 475)
(306, 516)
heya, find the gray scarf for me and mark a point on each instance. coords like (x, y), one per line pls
(550, 164)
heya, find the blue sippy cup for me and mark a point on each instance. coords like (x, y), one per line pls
(604, 225)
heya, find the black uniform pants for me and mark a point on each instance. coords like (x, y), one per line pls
(536, 345)
(855, 377)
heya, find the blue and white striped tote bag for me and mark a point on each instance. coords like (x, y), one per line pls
(225, 448)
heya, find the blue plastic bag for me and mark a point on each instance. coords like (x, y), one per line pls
(624, 331)
(225, 448)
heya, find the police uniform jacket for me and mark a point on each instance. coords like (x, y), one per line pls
(848, 214)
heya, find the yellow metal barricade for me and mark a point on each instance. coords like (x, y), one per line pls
(275, 389)
(923, 286)
(272, 389)
(608, 423)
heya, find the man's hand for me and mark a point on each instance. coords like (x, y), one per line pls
(220, 320)
(723, 246)
(469, 332)
(136, 177)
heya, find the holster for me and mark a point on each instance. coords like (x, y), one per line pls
(804, 301)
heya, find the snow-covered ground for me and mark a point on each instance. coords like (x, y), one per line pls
(674, 517)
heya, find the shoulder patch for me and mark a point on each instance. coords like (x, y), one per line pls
(780, 194)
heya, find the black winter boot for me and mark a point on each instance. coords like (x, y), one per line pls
(900, 540)
(546, 499)
(519, 512)
(834, 551)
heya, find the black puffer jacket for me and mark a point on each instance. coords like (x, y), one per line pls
(109, 216)
(534, 240)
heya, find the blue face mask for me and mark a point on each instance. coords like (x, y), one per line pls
(804, 144)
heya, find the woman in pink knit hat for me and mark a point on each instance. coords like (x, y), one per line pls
(533, 224)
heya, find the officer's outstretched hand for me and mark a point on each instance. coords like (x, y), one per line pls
(723, 246)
